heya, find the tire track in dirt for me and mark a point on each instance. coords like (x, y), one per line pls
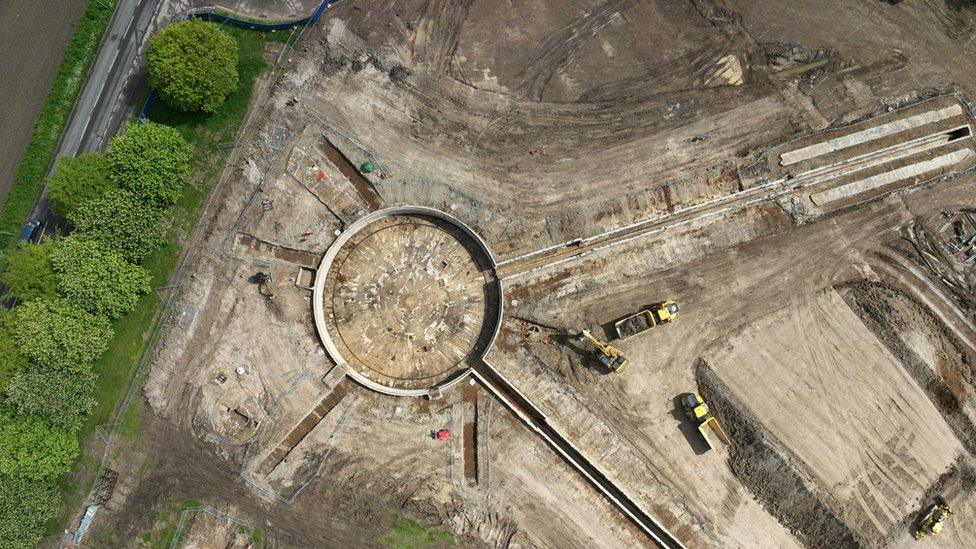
(772, 473)
(437, 34)
(688, 71)
(561, 46)
(869, 301)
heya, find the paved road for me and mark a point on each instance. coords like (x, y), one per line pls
(106, 97)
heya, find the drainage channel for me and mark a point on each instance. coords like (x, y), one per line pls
(298, 434)
(362, 185)
(536, 421)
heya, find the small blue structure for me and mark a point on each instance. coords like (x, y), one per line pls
(86, 522)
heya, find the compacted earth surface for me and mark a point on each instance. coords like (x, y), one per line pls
(378, 340)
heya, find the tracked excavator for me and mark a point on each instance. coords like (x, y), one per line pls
(609, 356)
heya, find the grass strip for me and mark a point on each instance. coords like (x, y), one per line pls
(51, 121)
(409, 534)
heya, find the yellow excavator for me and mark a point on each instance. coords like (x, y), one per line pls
(698, 411)
(934, 519)
(609, 356)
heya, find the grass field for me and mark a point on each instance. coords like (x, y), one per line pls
(134, 333)
(54, 115)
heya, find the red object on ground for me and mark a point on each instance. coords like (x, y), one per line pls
(443, 434)
(320, 176)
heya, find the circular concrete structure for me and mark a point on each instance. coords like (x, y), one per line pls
(406, 298)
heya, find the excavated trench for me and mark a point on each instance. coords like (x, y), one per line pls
(946, 388)
(771, 472)
(883, 311)
(776, 477)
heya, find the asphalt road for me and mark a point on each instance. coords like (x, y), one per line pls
(110, 92)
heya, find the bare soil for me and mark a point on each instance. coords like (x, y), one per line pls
(29, 65)
(768, 470)
(607, 170)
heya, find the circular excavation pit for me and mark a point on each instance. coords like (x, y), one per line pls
(407, 298)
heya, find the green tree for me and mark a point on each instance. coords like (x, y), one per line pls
(29, 274)
(193, 64)
(151, 160)
(122, 223)
(35, 449)
(11, 361)
(63, 398)
(97, 279)
(59, 334)
(25, 506)
(78, 179)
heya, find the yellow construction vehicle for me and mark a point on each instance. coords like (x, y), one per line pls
(698, 411)
(933, 521)
(264, 282)
(608, 355)
(642, 321)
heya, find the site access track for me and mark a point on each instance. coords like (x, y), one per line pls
(810, 179)
(574, 249)
(536, 421)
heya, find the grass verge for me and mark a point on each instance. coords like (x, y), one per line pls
(162, 533)
(54, 115)
(133, 333)
(410, 534)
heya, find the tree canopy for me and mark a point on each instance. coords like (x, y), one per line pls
(59, 334)
(35, 449)
(96, 279)
(28, 274)
(122, 223)
(25, 506)
(193, 64)
(11, 360)
(77, 180)
(151, 160)
(62, 398)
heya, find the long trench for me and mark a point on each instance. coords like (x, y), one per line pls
(536, 421)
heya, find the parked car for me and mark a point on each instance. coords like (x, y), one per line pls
(27, 233)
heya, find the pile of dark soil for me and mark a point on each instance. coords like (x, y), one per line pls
(770, 472)
(873, 302)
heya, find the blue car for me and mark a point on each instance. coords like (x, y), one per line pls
(27, 233)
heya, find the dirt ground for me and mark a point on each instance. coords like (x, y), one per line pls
(261, 9)
(607, 169)
(203, 529)
(29, 66)
(821, 351)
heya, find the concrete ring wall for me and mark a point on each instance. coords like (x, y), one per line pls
(318, 299)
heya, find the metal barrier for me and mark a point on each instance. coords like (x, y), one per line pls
(215, 15)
